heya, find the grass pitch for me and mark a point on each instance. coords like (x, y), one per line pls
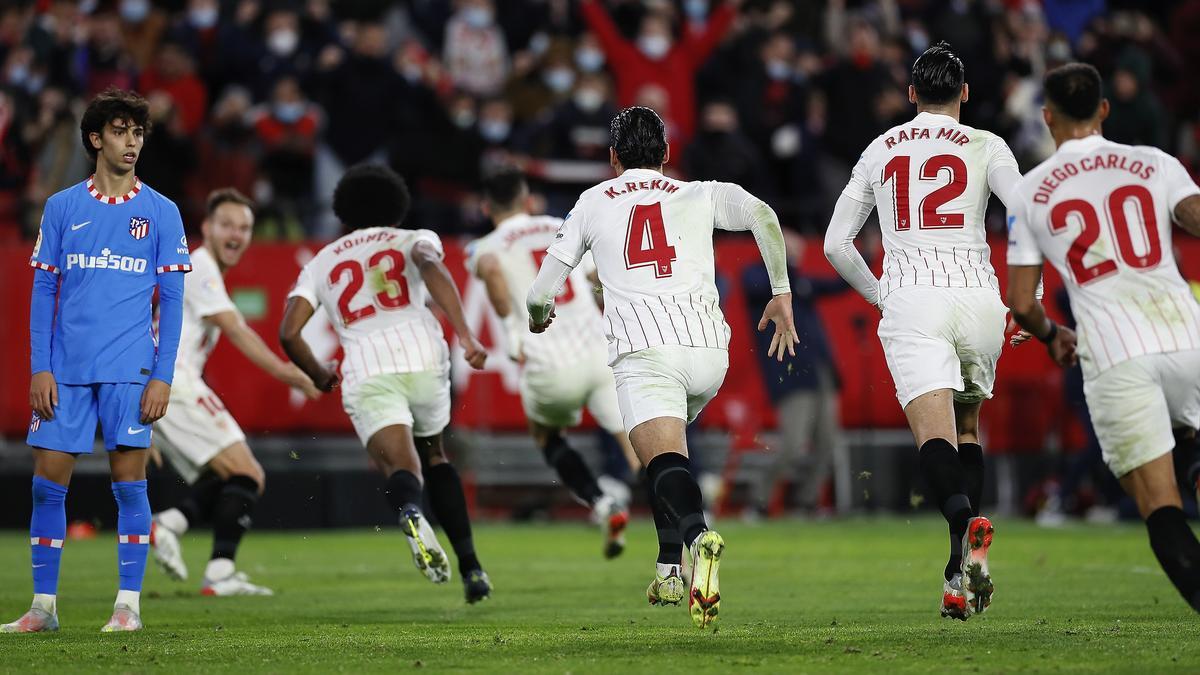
(841, 596)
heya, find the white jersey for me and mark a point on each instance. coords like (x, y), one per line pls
(375, 300)
(651, 239)
(1100, 212)
(519, 244)
(931, 179)
(204, 295)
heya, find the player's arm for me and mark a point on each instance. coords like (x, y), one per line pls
(849, 216)
(1024, 280)
(171, 262)
(735, 209)
(488, 270)
(250, 344)
(43, 389)
(1187, 215)
(428, 259)
(540, 301)
(297, 313)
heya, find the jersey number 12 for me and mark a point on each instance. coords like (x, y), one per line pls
(897, 170)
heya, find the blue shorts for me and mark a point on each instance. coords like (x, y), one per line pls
(117, 406)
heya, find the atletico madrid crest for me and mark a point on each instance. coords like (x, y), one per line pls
(139, 227)
(35, 423)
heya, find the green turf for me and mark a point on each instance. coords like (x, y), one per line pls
(798, 597)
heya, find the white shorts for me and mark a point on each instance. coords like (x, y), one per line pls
(1136, 404)
(555, 398)
(668, 381)
(939, 338)
(419, 400)
(196, 428)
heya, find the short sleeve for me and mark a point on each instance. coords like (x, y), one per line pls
(430, 237)
(1179, 184)
(570, 242)
(47, 250)
(1022, 246)
(171, 253)
(306, 285)
(205, 293)
(859, 187)
(474, 250)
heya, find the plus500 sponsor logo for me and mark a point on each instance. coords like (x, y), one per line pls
(107, 261)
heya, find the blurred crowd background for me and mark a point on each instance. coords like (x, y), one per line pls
(276, 97)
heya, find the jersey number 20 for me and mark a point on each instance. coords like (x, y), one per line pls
(1118, 224)
(393, 272)
(646, 222)
(897, 170)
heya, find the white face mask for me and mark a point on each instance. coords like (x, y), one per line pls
(203, 17)
(494, 131)
(778, 70)
(135, 11)
(463, 119)
(654, 46)
(589, 60)
(559, 80)
(477, 17)
(695, 9)
(589, 100)
(283, 42)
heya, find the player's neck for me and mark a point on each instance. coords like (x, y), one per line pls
(954, 111)
(501, 216)
(111, 184)
(1074, 132)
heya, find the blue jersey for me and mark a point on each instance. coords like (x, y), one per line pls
(108, 253)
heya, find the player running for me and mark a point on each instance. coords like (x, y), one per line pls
(943, 319)
(374, 283)
(105, 244)
(651, 238)
(198, 436)
(563, 371)
(1101, 213)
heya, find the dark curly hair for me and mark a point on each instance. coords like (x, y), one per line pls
(371, 195)
(1075, 90)
(112, 105)
(938, 74)
(503, 187)
(639, 138)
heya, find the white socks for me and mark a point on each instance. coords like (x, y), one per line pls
(665, 569)
(173, 520)
(46, 602)
(218, 569)
(131, 599)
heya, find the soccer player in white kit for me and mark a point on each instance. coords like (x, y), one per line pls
(943, 319)
(563, 371)
(651, 239)
(373, 284)
(198, 436)
(1101, 213)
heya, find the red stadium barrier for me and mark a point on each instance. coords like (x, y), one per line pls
(1028, 386)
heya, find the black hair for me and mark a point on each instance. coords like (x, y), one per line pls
(503, 187)
(938, 75)
(112, 105)
(226, 195)
(1074, 90)
(371, 195)
(639, 137)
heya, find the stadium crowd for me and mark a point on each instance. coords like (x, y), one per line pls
(277, 97)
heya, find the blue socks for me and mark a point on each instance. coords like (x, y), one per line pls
(47, 530)
(133, 532)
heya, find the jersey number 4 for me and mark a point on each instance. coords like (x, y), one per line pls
(897, 170)
(392, 272)
(646, 222)
(1118, 224)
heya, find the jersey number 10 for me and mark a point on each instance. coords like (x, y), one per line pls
(1118, 225)
(393, 272)
(897, 170)
(646, 220)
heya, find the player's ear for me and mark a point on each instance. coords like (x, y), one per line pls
(667, 153)
(1048, 117)
(612, 159)
(1102, 112)
(912, 94)
(95, 139)
(966, 93)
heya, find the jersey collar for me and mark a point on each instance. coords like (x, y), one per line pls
(1078, 144)
(934, 118)
(104, 199)
(514, 219)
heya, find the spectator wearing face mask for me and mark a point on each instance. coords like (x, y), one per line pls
(103, 61)
(722, 152)
(53, 134)
(226, 149)
(475, 52)
(286, 130)
(1136, 116)
(142, 25)
(542, 87)
(655, 57)
(257, 59)
(589, 55)
(174, 73)
(196, 30)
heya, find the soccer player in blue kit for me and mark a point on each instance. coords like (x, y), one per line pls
(104, 245)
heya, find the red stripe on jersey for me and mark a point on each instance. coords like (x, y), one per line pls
(43, 266)
(173, 268)
(1117, 330)
(1192, 323)
(1170, 330)
(1103, 342)
(670, 318)
(1138, 333)
(400, 339)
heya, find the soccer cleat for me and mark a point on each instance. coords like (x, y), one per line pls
(234, 584)
(477, 586)
(167, 551)
(954, 604)
(668, 590)
(977, 586)
(427, 553)
(705, 598)
(123, 619)
(613, 518)
(36, 620)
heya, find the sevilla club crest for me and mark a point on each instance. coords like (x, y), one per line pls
(139, 227)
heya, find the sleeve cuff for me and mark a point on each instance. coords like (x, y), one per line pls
(37, 264)
(563, 257)
(173, 268)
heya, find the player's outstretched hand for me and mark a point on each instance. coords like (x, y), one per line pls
(1062, 347)
(779, 311)
(43, 394)
(327, 378)
(154, 401)
(299, 380)
(472, 352)
(541, 328)
(1018, 336)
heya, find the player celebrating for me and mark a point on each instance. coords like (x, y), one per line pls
(198, 436)
(943, 319)
(1101, 213)
(373, 284)
(651, 238)
(104, 245)
(561, 371)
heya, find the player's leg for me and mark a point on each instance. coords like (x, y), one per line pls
(128, 468)
(448, 500)
(172, 523)
(600, 396)
(1153, 487)
(669, 585)
(572, 470)
(243, 482)
(970, 451)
